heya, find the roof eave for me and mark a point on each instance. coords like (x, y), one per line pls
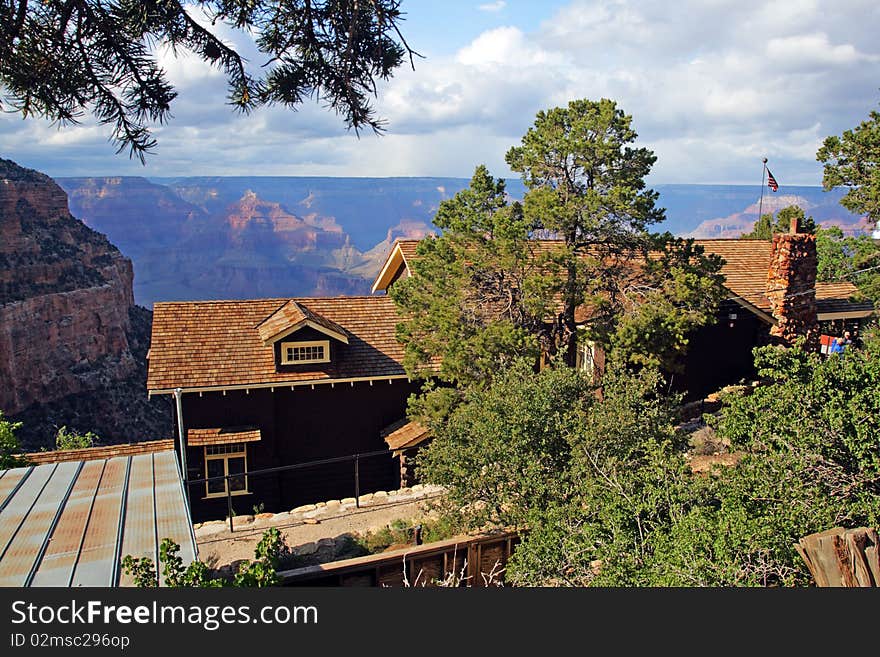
(392, 265)
(847, 314)
(278, 384)
(303, 324)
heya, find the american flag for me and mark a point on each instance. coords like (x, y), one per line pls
(771, 181)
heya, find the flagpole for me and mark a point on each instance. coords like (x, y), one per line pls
(761, 202)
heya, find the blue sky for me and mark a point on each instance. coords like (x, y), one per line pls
(712, 85)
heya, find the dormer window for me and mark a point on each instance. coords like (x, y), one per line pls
(297, 353)
(300, 336)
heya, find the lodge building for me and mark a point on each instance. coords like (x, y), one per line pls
(264, 383)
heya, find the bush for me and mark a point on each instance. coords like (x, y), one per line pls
(10, 448)
(72, 439)
(270, 553)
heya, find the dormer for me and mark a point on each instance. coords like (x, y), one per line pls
(300, 336)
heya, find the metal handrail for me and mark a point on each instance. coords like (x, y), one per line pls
(296, 466)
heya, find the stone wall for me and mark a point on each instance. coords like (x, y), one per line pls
(791, 284)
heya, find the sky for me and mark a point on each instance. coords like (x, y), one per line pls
(712, 86)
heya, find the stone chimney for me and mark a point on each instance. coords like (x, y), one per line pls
(791, 285)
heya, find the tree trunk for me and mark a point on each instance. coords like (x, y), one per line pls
(842, 557)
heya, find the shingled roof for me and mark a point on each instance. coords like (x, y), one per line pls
(207, 345)
(746, 263)
(404, 434)
(745, 271)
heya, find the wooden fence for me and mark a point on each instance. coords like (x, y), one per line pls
(460, 561)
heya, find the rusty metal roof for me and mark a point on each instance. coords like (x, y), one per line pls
(71, 523)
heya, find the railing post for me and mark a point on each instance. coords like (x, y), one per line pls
(229, 504)
(357, 481)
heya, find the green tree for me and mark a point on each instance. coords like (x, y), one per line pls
(471, 303)
(623, 506)
(10, 449)
(71, 439)
(503, 453)
(62, 58)
(491, 289)
(765, 227)
(854, 258)
(852, 160)
(586, 185)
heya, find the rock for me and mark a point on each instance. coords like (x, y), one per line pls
(418, 487)
(365, 499)
(311, 521)
(242, 519)
(264, 516)
(393, 493)
(304, 508)
(65, 294)
(305, 549)
(209, 529)
(313, 514)
(348, 501)
(380, 495)
(333, 504)
(320, 504)
(327, 543)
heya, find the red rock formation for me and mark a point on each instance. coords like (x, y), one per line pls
(791, 283)
(65, 294)
(252, 220)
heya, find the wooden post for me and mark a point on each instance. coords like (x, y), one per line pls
(357, 481)
(842, 557)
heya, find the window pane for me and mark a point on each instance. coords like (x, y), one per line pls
(236, 466)
(214, 468)
(305, 353)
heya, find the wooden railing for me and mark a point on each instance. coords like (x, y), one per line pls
(461, 561)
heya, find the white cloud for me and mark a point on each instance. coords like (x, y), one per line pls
(813, 49)
(712, 85)
(498, 5)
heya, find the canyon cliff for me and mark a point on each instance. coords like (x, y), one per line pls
(72, 342)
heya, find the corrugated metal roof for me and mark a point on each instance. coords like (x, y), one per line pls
(72, 523)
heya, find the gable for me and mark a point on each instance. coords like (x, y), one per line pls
(292, 317)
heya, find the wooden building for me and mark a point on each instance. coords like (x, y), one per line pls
(265, 383)
(770, 283)
(273, 382)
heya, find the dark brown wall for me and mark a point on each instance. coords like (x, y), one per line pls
(297, 426)
(721, 355)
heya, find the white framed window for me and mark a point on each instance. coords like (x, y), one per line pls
(222, 460)
(295, 353)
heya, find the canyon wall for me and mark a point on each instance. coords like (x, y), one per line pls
(66, 309)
